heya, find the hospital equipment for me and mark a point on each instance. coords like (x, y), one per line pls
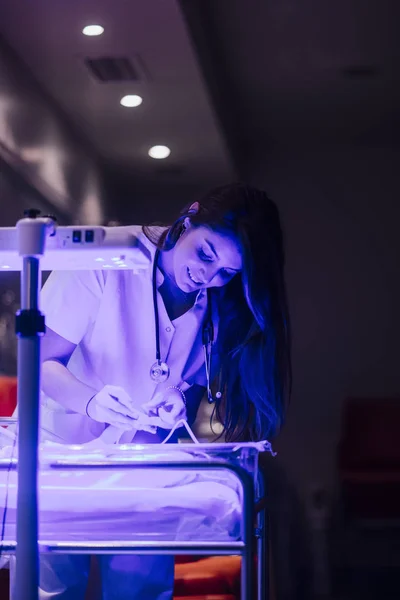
(105, 500)
(37, 242)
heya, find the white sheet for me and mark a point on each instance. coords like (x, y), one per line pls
(131, 504)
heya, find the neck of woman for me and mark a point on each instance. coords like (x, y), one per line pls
(165, 264)
(170, 287)
(176, 301)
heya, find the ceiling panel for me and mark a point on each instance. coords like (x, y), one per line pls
(176, 110)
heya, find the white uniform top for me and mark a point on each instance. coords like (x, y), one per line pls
(110, 316)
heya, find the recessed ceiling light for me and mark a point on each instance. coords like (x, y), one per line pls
(93, 30)
(131, 101)
(159, 152)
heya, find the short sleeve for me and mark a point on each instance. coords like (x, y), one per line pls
(70, 302)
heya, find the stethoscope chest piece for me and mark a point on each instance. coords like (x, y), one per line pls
(159, 372)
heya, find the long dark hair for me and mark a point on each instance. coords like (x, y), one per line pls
(254, 342)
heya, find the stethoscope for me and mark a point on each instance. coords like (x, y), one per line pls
(160, 371)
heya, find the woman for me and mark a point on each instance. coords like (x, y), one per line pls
(217, 271)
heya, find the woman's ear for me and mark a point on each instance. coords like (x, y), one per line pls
(194, 208)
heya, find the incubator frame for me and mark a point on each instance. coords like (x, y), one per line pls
(243, 547)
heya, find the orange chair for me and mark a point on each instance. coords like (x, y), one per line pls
(8, 395)
(216, 578)
(369, 458)
(8, 402)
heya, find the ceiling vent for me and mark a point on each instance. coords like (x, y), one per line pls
(110, 69)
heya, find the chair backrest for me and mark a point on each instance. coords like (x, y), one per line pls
(370, 434)
(8, 396)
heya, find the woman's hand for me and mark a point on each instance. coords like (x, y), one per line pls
(113, 405)
(168, 407)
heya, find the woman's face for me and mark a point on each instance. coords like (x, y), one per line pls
(203, 258)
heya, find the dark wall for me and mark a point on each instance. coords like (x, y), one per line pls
(341, 213)
(15, 196)
(132, 203)
(38, 142)
(44, 164)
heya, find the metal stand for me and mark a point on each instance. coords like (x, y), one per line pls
(29, 327)
(244, 547)
(263, 580)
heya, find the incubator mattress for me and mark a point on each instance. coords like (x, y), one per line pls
(131, 504)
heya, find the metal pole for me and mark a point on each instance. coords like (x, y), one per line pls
(262, 546)
(247, 522)
(27, 559)
(247, 570)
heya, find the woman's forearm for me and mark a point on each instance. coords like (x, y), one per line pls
(62, 386)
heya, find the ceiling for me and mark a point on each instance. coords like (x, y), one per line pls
(223, 81)
(298, 73)
(176, 109)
